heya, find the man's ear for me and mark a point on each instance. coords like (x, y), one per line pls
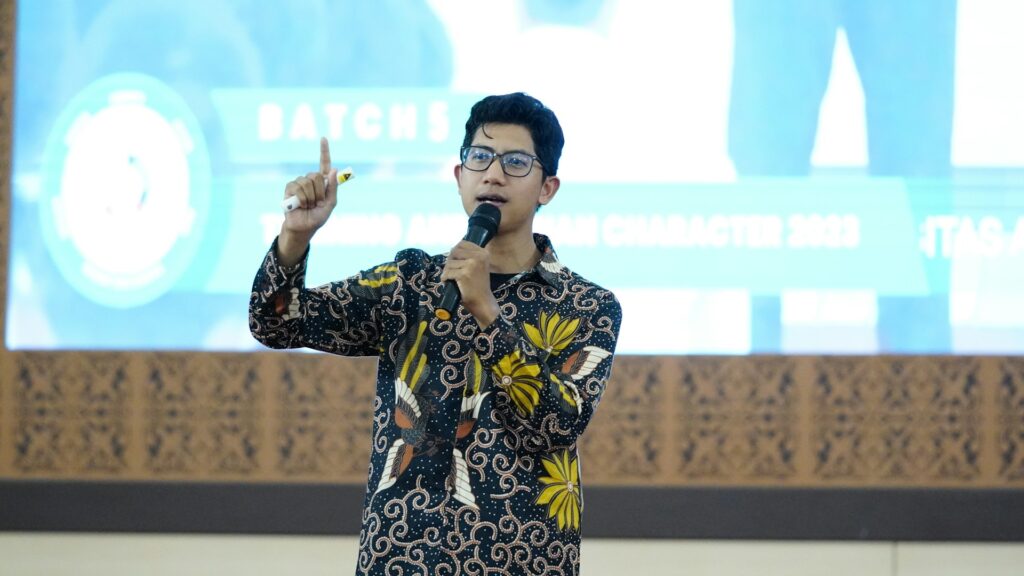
(458, 172)
(548, 189)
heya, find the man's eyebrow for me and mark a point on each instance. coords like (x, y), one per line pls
(521, 151)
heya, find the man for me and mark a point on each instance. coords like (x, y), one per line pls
(474, 467)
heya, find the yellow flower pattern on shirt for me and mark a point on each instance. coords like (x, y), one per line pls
(520, 381)
(561, 492)
(554, 332)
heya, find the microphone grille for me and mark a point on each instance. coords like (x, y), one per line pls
(486, 216)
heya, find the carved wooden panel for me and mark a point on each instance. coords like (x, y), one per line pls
(1009, 418)
(735, 419)
(897, 420)
(202, 415)
(634, 448)
(324, 412)
(70, 416)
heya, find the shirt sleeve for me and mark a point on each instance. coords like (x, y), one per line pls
(341, 317)
(552, 373)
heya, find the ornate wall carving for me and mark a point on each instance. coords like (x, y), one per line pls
(668, 421)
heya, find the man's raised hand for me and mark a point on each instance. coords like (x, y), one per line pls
(317, 195)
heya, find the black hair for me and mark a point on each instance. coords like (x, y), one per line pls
(526, 111)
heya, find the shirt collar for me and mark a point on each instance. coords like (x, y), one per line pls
(549, 268)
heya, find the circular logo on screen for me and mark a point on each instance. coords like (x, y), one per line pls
(126, 187)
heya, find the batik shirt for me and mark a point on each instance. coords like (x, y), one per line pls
(473, 467)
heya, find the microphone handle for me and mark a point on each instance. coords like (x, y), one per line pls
(449, 300)
(451, 296)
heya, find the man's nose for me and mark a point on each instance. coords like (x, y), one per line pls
(494, 172)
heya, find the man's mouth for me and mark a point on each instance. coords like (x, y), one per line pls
(490, 199)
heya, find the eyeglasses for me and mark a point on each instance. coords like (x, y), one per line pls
(478, 159)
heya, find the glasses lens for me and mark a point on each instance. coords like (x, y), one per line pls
(476, 158)
(516, 163)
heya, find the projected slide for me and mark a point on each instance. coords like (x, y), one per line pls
(749, 177)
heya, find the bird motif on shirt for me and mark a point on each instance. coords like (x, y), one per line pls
(472, 399)
(577, 366)
(410, 415)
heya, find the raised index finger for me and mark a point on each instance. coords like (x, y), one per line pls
(325, 156)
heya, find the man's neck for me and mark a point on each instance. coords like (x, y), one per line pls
(513, 254)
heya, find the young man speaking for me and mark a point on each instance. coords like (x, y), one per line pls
(474, 467)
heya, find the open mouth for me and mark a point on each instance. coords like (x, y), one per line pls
(490, 199)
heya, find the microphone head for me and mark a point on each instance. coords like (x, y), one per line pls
(486, 216)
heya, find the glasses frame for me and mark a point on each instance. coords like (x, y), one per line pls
(464, 152)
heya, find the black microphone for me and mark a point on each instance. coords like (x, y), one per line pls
(483, 224)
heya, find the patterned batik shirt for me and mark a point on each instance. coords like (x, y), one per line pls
(474, 467)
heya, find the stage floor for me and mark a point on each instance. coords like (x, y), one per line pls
(59, 554)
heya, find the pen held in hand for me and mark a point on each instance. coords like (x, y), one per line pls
(291, 203)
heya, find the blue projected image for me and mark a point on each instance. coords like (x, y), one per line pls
(835, 176)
